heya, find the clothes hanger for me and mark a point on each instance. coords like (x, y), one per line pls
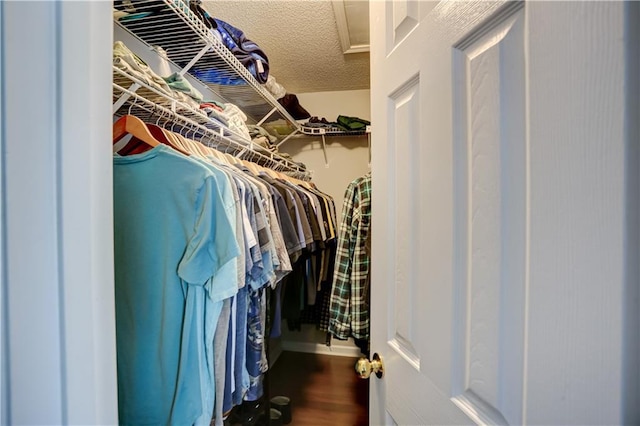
(173, 135)
(142, 139)
(253, 167)
(231, 158)
(178, 140)
(301, 182)
(218, 155)
(182, 141)
(208, 150)
(271, 170)
(162, 134)
(162, 127)
(200, 147)
(159, 133)
(193, 146)
(214, 152)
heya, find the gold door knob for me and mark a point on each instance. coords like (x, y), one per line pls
(364, 367)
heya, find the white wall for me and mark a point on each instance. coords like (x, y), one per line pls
(348, 159)
(329, 105)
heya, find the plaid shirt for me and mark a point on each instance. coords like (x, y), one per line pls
(349, 314)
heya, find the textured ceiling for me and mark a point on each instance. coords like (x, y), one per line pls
(301, 40)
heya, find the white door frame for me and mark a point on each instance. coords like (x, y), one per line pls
(58, 317)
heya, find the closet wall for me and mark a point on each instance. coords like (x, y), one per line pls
(348, 158)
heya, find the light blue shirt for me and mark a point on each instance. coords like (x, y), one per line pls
(224, 285)
(170, 240)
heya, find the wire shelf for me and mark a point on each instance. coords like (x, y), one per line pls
(188, 42)
(172, 115)
(331, 131)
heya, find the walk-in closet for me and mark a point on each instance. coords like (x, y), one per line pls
(273, 293)
(206, 217)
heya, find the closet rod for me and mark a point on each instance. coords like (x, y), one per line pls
(171, 119)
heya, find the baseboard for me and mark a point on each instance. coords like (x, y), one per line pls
(320, 348)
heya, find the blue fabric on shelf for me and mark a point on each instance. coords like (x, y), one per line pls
(245, 50)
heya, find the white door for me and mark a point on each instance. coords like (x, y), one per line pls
(503, 291)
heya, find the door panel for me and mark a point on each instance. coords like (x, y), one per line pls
(577, 137)
(489, 138)
(404, 107)
(415, 210)
(403, 16)
(499, 213)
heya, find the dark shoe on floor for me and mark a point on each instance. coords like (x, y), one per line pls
(275, 417)
(283, 405)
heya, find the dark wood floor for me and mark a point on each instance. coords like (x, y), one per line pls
(323, 389)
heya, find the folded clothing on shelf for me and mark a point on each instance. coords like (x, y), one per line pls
(342, 124)
(125, 10)
(230, 115)
(246, 51)
(250, 55)
(275, 88)
(177, 82)
(256, 131)
(214, 112)
(132, 64)
(352, 123)
(160, 62)
(320, 123)
(237, 120)
(261, 137)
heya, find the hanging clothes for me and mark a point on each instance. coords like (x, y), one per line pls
(349, 313)
(207, 253)
(172, 235)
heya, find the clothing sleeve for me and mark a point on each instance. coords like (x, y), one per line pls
(212, 243)
(225, 282)
(339, 308)
(288, 229)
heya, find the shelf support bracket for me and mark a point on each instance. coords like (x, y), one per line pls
(324, 150)
(267, 116)
(125, 97)
(195, 59)
(287, 138)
